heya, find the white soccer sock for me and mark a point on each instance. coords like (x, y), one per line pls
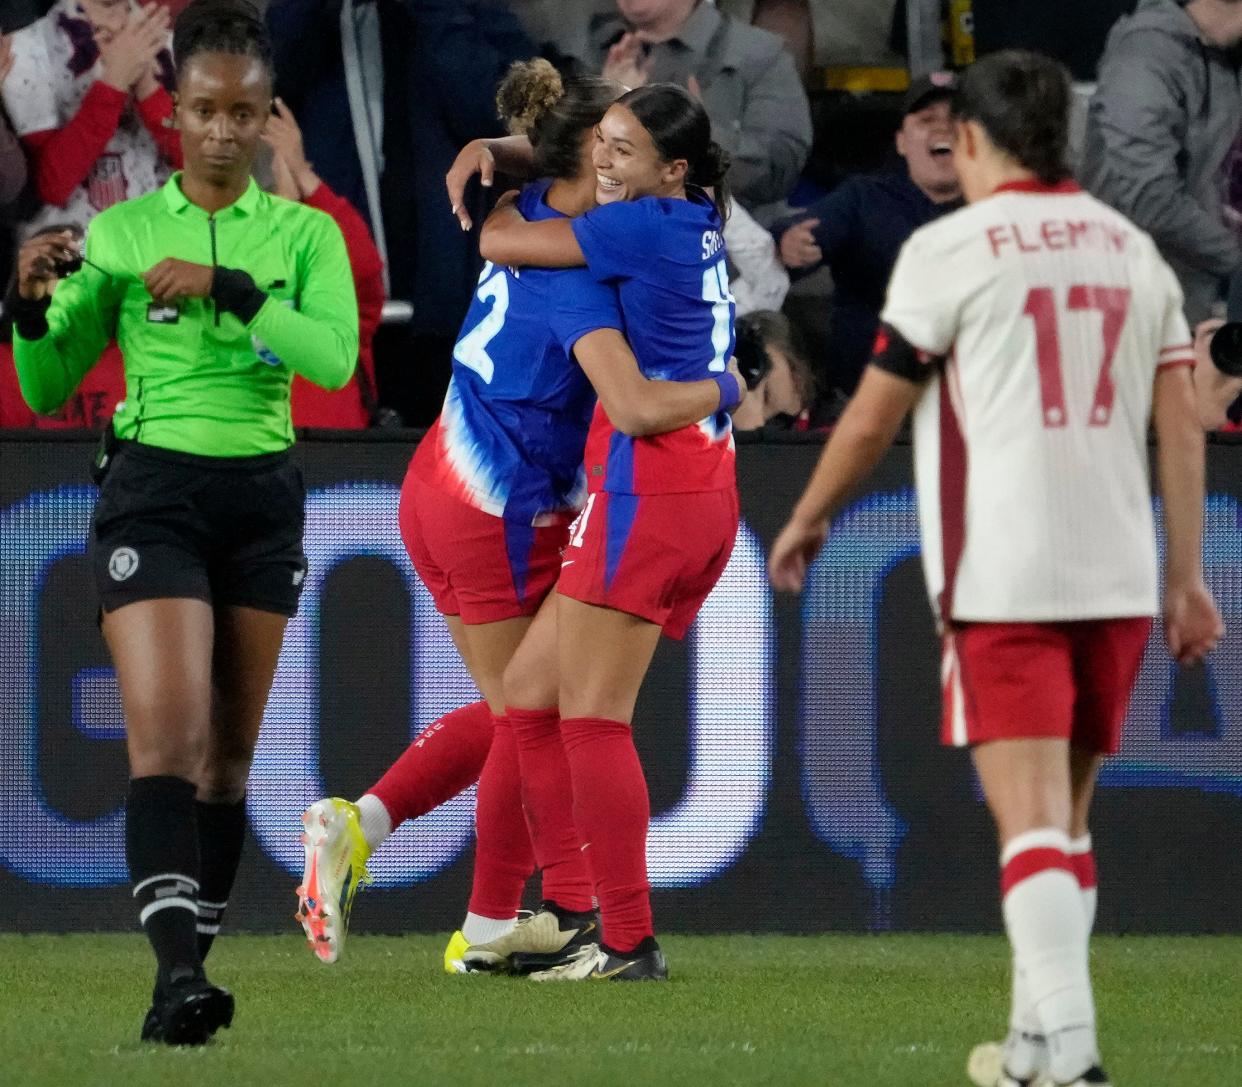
(1081, 848)
(1026, 1049)
(483, 930)
(1047, 929)
(375, 820)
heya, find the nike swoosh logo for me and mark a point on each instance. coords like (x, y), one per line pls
(568, 563)
(605, 975)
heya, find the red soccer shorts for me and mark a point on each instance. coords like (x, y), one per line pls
(1015, 681)
(656, 556)
(476, 565)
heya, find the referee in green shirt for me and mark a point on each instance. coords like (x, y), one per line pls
(217, 293)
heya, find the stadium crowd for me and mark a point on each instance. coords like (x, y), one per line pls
(377, 98)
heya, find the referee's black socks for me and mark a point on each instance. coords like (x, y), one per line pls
(221, 834)
(161, 845)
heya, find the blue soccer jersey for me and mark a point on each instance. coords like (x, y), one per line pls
(666, 258)
(510, 437)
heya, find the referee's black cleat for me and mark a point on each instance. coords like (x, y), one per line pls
(188, 1011)
(597, 963)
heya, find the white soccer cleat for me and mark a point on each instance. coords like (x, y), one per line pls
(537, 943)
(336, 856)
(986, 1068)
(582, 964)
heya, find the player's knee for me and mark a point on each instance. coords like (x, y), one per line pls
(528, 688)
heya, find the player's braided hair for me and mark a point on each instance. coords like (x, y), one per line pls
(1022, 99)
(680, 129)
(533, 101)
(221, 26)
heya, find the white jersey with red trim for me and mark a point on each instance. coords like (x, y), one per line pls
(1053, 314)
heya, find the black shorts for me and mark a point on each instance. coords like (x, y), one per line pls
(226, 530)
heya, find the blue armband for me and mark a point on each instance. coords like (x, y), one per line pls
(730, 392)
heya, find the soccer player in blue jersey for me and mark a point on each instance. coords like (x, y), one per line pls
(661, 513)
(484, 513)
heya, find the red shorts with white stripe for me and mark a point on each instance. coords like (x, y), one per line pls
(657, 556)
(1016, 681)
(475, 564)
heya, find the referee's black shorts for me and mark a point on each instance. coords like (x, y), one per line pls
(226, 530)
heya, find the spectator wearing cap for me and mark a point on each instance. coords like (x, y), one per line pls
(1166, 112)
(858, 229)
(745, 77)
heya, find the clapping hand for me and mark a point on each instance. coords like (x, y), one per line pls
(295, 177)
(798, 247)
(626, 62)
(129, 56)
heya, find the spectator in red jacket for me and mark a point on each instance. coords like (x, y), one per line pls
(89, 96)
(295, 179)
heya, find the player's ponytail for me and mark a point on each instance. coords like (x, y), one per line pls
(533, 101)
(680, 129)
(1022, 100)
(234, 27)
(712, 172)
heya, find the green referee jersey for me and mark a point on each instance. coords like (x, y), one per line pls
(198, 380)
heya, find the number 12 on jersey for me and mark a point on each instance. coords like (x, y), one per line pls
(1113, 303)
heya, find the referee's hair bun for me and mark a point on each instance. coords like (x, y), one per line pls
(529, 91)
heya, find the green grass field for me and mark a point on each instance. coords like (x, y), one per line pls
(834, 1011)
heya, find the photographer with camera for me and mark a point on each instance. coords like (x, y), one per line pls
(1218, 365)
(772, 360)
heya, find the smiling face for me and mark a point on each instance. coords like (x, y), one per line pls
(223, 102)
(925, 141)
(627, 164)
(107, 17)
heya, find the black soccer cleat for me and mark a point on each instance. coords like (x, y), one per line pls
(596, 963)
(188, 1012)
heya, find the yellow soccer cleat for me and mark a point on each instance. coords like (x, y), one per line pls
(453, 961)
(336, 864)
